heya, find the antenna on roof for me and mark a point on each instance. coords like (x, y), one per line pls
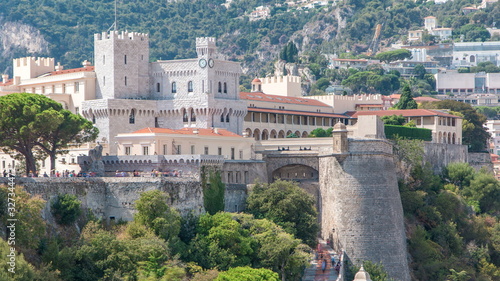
(114, 25)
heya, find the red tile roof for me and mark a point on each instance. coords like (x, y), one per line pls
(422, 99)
(280, 99)
(369, 105)
(297, 112)
(72, 70)
(9, 82)
(404, 112)
(188, 131)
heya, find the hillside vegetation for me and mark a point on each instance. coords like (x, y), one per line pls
(68, 26)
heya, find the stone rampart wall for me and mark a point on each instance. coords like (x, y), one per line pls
(480, 160)
(439, 155)
(361, 209)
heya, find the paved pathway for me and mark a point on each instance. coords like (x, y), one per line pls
(314, 272)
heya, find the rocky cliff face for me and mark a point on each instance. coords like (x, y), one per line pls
(17, 40)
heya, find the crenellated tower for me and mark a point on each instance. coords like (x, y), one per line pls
(121, 65)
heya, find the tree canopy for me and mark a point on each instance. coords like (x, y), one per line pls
(32, 124)
(406, 100)
(395, 55)
(287, 205)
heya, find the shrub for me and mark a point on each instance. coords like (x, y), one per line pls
(66, 209)
(391, 131)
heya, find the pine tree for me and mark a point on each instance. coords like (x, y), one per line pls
(406, 100)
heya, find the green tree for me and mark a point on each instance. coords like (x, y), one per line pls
(288, 206)
(394, 120)
(289, 52)
(247, 274)
(419, 71)
(319, 133)
(154, 212)
(64, 128)
(30, 226)
(24, 119)
(460, 174)
(406, 100)
(377, 271)
(66, 209)
(395, 55)
(213, 190)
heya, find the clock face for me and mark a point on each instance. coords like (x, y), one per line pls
(211, 63)
(202, 63)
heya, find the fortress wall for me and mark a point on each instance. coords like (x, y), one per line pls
(115, 197)
(480, 160)
(362, 211)
(439, 155)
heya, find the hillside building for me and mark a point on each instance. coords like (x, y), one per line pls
(471, 53)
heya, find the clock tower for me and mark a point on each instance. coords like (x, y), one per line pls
(205, 47)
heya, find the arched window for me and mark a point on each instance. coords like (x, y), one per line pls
(93, 119)
(174, 88)
(158, 87)
(220, 88)
(222, 118)
(225, 88)
(190, 86)
(227, 118)
(131, 117)
(184, 116)
(193, 116)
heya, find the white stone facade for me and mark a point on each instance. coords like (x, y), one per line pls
(132, 93)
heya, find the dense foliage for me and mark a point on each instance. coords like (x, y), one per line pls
(287, 205)
(406, 100)
(66, 209)
(404, 132)
(451, 221)
(33, 126)
(213, 190)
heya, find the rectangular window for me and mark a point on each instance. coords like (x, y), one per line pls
(127, 150)
(241, 154)
(219, 151)
(125, 59)
(145, 150)
(3, 164)
(43, 89)
(104, 80)
(179, 149)
(192, 149)
(206, 150)
(77, 110)
(104, 59)
(165, 149)
(232, 153)
(77, 87)
(64, 88)
(125, 80)
(53, 89)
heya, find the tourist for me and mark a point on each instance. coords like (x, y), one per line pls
(45, 175)
(323, 265)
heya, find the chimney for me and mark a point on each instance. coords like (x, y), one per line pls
(5, 78)
(59, 67)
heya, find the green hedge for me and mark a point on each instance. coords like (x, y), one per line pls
(391, 131)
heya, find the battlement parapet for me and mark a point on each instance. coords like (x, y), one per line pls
(116, 35)
(205, 41)
(281, 79)
(34, 61)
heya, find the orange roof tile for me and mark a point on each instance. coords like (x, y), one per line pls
(280, 99)
(187, 131)
(256, 80)
(81, 69)
(404, 112)
(297, 112)
(422, 99)
(9, 82)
